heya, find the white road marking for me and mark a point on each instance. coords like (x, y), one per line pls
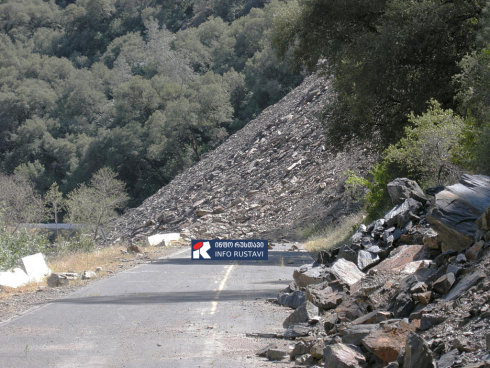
(214, 304)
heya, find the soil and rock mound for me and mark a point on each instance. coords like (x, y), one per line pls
(409, 290)
(272, 179)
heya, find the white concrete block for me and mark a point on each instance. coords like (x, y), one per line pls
(14, 278)
(35, 266)
(158, 239)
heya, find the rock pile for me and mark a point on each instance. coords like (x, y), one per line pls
(269, 180)
(409, 290)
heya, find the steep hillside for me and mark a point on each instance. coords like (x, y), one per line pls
(272, 179)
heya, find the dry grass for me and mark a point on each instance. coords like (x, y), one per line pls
(109, 259)
(7, 292)
(334, 236)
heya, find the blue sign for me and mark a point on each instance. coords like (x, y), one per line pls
(234, 250)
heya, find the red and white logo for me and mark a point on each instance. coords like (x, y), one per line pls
(201, 249)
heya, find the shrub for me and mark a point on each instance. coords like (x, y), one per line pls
(18, 244)
(431, 147)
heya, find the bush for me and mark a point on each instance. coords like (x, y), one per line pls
(431, 147)
(18, 244)
(78, 243)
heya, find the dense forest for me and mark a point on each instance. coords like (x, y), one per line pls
(144, 87)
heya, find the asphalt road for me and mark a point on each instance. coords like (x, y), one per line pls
(173, 312)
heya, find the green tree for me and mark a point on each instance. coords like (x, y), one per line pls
(96, 204)
(55, 201)
(387, 58)
(431, 146)
(19, 202)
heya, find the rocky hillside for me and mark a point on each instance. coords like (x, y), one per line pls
(272, 179)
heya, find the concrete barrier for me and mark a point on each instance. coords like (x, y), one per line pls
(158, 239)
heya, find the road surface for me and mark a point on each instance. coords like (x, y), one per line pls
(172, 312)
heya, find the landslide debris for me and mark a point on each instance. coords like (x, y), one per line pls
(271, 179)
(421, 299)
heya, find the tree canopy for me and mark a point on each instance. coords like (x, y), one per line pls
(144, 87)
(388, 58)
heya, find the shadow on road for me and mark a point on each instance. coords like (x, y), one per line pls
(283, 259)
(173, 297)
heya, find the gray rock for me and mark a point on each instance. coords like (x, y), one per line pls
(402, 305)
(366, 260)
(373, 317)
(317, 349)
(57, 279)
(444, 283)
(263, 352)
(330, 322)
(306, 359)
(455, 270)
(299, 330)
(419, 287)
(447, 360)
(348, 253)
(300, 348)
(325, 295)
(276, 354)
(88, 275)
(400, 215)
(304, 313)
(430, 320)
(355, 333)
(483, 222)
(454, 211)
(347, 272)
(62, 278)
(417, 353)
(327, 256)
(443, 257)
(292, 300)
(356, 238)
(343, 356)
(487, 341)
(403, 188)
(307, 274)
(431, 239)
(464, 284)
(351, 309)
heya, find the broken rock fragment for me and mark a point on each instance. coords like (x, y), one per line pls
(417, 353)
(401, 189)
(307, 274)
(347, 272)
(304, 313)
(343, 356)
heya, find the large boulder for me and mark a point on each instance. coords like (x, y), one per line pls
(455, 210)
(403, 188)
